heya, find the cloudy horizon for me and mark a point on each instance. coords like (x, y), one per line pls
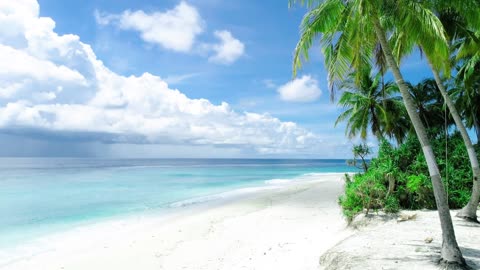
(63, 94)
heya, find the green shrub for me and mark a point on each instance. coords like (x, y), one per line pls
(421, 189)
(391, 205)
(364, 191)
(398, 178)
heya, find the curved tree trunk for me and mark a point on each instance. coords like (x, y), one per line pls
(450, 251)
(391, 185)
(468, 212)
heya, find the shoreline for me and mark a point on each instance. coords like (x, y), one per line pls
(200, 203)
(89, 247)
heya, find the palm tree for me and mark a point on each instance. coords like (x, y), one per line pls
(456, 15)
(349, 31)
(372, 103)
(429, 102)
(468, 78)
(469, 52)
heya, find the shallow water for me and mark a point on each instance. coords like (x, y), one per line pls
(44, 195)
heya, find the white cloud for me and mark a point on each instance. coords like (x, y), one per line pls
(10, 89)
(19, 64)
(304, 89)
(57, 84)
(44, 96)
(228, 50)
(175, 29)
(104, 18)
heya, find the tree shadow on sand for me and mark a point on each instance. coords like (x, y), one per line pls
(433, 255)
(467, 224)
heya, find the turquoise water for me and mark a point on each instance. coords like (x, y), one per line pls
(39, 196)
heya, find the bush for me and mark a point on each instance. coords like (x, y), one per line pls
(391, 205)
(398, 178)
(364, 191)
(421, 189)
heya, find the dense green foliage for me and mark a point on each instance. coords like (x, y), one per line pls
(353, 35)
(398, 177)
(372, 104)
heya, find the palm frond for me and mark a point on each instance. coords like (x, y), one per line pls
(319, 21)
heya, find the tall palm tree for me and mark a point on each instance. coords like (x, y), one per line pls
(349, 31)
(469, 56)
(457, 16)
(469, 212)
(468, 78)
(370, 103)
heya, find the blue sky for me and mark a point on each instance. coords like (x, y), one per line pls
(153, 79)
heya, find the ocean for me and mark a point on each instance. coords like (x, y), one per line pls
(39, 196)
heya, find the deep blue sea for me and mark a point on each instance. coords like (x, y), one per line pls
(42, 195)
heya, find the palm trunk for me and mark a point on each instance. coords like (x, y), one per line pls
(468, 212)
(450, 251)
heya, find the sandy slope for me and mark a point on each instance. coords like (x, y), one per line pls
(286, 228)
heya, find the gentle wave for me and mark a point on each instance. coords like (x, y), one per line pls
(303, 177)
(278, 181)
(269, 184)
(328, 173)
(306, 176)
(220, 196)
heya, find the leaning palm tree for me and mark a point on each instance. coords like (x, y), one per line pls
(372, 104)
(469, 52)
(349, 31)
(436, 50)
(468, 77)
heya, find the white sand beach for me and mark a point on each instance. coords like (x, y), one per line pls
(284, 228)
(381, 242)
(293, 226)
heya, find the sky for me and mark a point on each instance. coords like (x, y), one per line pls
(164, 78)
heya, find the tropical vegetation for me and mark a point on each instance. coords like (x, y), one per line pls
(426, 157)
(398, 177)
(371, 104)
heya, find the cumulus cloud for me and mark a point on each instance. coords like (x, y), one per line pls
(20, 64)
(175, 29)
(228, 50)
(61, 87)
(304, 89)
(10, 89)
